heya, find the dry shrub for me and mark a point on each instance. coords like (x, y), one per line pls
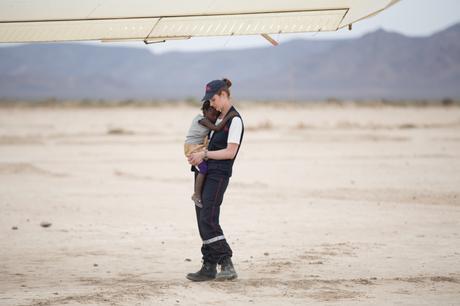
(407, 126)
(265, 125)
(302, 126)
(119, 131)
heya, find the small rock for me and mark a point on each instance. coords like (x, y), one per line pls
(14, 228)
(162, 242)
(177, 301)
(188, 259)
(266, 254)
(56, 293)
(45, 224)
(95, 265)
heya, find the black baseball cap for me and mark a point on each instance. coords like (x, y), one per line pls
(213, 88)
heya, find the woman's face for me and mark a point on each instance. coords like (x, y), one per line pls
(218, 101)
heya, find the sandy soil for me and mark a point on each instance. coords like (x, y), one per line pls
(333, 205)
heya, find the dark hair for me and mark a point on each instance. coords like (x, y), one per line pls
(226, 88)
(206, 106)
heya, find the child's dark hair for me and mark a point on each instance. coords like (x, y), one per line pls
(206, 106)
(225, 88)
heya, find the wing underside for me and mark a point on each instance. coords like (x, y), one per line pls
(173, 27)
(108, 22)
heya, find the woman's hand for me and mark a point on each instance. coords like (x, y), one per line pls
(196, 158)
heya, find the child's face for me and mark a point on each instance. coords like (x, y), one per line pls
(211, 114)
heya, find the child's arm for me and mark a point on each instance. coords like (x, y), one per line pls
(205, 122)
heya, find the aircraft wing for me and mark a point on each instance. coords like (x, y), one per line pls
(159, 20)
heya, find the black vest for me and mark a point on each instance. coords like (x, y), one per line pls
(218, 142)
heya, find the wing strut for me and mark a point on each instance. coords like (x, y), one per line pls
(271, 40)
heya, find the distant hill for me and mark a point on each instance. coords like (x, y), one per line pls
(378, 65)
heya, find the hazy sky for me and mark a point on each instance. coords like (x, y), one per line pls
(409, 17)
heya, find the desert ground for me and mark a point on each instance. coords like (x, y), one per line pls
(329, 204)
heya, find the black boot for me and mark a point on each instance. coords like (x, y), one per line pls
(227, 271)
(207, 272)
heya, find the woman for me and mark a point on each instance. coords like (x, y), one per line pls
(222, 150)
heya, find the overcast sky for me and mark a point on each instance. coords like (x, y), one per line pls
(409, 17)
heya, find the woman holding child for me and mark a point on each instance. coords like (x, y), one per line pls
(220, 155)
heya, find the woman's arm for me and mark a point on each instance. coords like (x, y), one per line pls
(228, 153)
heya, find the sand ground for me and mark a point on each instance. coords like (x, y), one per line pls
(331, 205)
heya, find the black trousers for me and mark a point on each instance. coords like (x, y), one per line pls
(215, 246)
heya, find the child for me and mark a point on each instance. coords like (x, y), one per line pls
(197, 140)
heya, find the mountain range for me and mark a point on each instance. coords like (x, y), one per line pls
(378, 65)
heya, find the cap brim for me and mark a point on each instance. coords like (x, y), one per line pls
(208, 96)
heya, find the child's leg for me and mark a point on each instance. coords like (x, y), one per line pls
(199, 182)
(198, 187)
